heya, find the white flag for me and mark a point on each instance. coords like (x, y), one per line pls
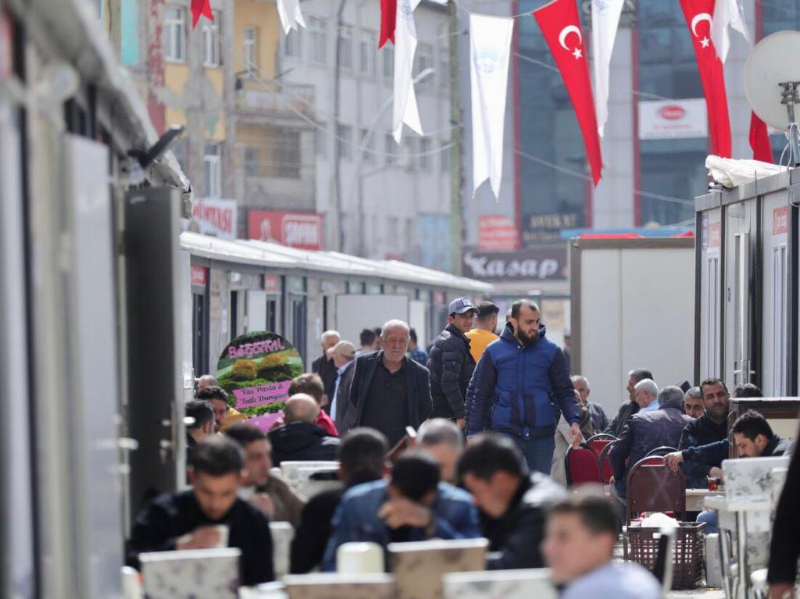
(490, 45)
(605, 22)
(727, 14)
(405, 46)
(290, 14)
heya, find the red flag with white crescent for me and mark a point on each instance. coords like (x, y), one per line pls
(561, 28)
(698, 18)
(201, 8)
(759, 140)
(388, 21)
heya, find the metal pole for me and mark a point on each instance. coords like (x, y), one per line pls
(456, 221)
(337, 173)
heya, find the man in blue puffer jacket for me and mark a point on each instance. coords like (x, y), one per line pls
(514, 386)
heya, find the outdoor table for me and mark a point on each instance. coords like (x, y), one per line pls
(695, 498)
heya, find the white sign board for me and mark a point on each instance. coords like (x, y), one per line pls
(214, 217)
(357, 312)
(673, 119)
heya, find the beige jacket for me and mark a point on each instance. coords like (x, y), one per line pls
(558, 471)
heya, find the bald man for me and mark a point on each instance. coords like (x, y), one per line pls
(300, 439)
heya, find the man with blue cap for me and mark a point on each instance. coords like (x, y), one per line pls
(451, 363)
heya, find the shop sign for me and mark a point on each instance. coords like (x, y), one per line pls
(199, 276)
(497, 232)
(673, 119)
(303, 230)
(539, 265)
(214, 217)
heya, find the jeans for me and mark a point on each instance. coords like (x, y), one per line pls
(538, 452)
(712, 521)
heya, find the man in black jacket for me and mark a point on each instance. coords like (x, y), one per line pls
(300, 439)
(362, 459)
(390, 391)
(512, 502)
(712, 426)
(191, 519)
(324, 366)
(451, 363)
(630, 407)
(785, 546)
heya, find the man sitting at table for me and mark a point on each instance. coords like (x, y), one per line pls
(412, 505)
(710, 427)
(753, 437)
(191, 519)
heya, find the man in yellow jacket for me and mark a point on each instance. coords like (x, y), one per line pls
(484, 332)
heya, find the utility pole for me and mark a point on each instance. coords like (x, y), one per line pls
(456, 180)
(337, 159)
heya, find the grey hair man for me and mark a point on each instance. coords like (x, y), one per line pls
(301, 439)
(596, 412)
(647, 395)
(390, 391)
(444, 440)
(693, 403)
(630, 407)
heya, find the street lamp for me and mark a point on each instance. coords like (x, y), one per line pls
(359, 175)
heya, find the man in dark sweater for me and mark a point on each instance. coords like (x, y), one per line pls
(711, 427)
(362, 459)
(301, 439)
(511, 502)
(190, 519)
(324, 366)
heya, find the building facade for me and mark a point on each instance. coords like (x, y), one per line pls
(378, 199)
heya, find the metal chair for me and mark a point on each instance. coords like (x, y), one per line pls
(582, 466)
(605, 465)
(602, 437)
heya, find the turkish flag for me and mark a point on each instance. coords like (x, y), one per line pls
(561, 28)
(759, 140)
(698, 18)
(201, 8)
(388, 20)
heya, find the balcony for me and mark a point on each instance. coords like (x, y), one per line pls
(260, 102)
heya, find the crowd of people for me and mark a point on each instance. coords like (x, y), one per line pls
(464, 439)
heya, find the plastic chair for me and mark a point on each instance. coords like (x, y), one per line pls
(661, 451)
(582, 466)
(653, 487)
(605, 465)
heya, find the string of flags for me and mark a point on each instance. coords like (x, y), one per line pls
(708, 21)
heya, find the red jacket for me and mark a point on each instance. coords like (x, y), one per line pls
(325, 422)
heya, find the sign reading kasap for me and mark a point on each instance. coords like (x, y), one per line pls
(256, 370)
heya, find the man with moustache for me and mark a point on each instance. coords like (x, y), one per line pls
(512, 385)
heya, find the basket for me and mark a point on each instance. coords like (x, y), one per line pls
(688, 558)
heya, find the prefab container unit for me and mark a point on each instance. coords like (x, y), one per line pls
(746, 302)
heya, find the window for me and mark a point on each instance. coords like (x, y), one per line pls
(211, 42)
(318, 34)
(287, 153)
(424, 153)
(344, 142)
(409, 148)
(424, 60)
(292, 44)
(322, 141)
(390, 149)
(250, 48)
(444, 67)
(388, 61)
(251, 162)
(367, 146)
(367, 53)
(212, 171)
(175, 34)
(393, 232)
(346, 47)
(444, 156)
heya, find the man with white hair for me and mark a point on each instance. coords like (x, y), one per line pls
(596, 412)
(324, 366)
(646, 393)
(444, 440)
(389, 391)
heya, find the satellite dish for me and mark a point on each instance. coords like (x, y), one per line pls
(773, 61)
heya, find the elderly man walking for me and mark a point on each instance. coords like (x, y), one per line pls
(389, 390)
(324, 366)
(512, 387)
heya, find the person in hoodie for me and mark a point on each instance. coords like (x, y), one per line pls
(451, 363)
(300, 439)
(511, 389)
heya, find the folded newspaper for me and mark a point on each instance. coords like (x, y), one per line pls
(731, 173)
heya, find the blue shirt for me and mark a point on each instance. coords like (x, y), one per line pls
(356, 519)
(419, 355)
(339, 374)
(651, 408)
(620, 581)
